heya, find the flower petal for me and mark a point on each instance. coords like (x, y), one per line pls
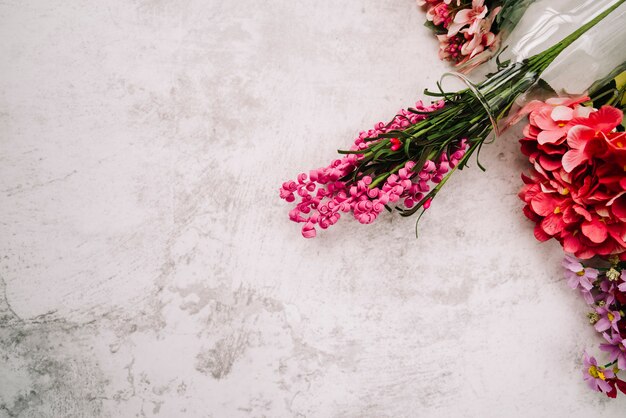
(548, 163)
(562, 113)
(579, 135)
(603, 324)
(540, 235)
(603, 120)
(619, 208)
(543, 204)
(308, 230)
(572, 159)
(582, 212)
(454, 28)
(571, 244)
(543, 119)
(552, 224)
(463, 16)
(567, 101)
(552, 136)
(595, 230)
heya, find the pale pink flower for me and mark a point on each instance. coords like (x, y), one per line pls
(450, 48)
(468, 17)
(424, 2)
(480, 36)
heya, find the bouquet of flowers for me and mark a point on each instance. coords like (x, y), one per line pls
(576, 194)
(406, 162)
(471, 29)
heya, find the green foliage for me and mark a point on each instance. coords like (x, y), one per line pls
(511, 13)
(610, 90)
(439, 30)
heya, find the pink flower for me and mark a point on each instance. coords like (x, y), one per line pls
(555, 121)
(479, 35)
(616, 348)
(537, 105)
(450, 47)
(577, 275)
(424, 2)
(603, 121)
(322, 196)
(477, 44)
(469, 17)
(608, 319)
(578, 138)
(439, 15)
(583, 137)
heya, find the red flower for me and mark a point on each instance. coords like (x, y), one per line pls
(616, 383)
(604, 120)
(587, 138)
(576, 192)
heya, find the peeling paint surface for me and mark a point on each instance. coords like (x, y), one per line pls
(148, 268)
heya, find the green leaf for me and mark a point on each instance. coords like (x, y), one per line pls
(439, 30)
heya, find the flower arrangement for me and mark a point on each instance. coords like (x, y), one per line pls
(604, 290)
(403, 164)
(468, 28)
(576, 194)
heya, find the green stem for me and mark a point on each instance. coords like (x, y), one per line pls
(431, 195)
(382, 177)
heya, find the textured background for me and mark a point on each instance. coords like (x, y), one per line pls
(148, 267)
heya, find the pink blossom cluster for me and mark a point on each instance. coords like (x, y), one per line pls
(464, 28)
(604, 290)
(325, 193)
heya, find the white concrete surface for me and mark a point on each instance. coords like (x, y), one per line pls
(148, 268)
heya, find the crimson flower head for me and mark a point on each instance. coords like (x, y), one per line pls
(576, 191)
(589, 137)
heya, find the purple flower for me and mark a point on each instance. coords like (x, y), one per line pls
(608, 292)
(608, 319)
(616, 348)
(596, 376)
(622, 287)
(577, 275)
